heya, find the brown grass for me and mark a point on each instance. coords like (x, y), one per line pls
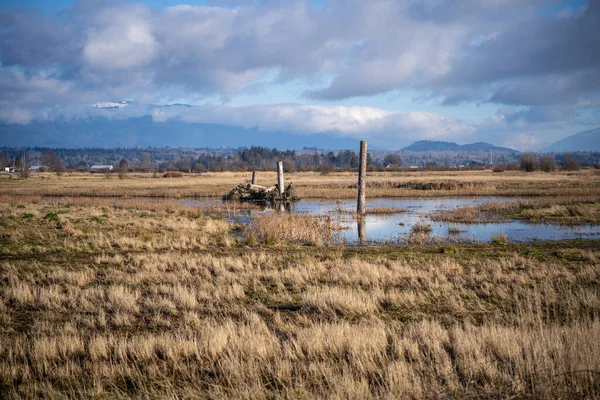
(291, 228)
(564, 210)
(118, 303)
(313, 185)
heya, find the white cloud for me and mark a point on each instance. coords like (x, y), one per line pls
(355, 122)
(121, 39)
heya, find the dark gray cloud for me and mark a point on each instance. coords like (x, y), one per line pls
(537, 56)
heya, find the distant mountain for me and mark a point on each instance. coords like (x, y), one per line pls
(582, 141)
(432, 145)
(144, 132)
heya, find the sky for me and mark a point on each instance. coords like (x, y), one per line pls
(520, 74)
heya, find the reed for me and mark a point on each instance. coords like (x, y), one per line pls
(289, 228)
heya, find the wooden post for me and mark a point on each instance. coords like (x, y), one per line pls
(362, 173)
(280, 177)
(362, 230)
(254, 177)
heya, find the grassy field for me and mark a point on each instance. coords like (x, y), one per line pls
(570, 210)
(313, 185)
(115, 298)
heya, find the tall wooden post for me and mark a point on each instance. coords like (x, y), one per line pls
(280, 177)
(362, 173)
(362, 230)
(254, 177)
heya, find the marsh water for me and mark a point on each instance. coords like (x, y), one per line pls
(397, 227)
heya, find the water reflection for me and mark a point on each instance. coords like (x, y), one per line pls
(396, 228)
(361, 227)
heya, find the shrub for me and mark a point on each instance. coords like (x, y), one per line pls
(571, 162)
(529, 162)
(172, 174)
(548, 163)
(499, 168)
(325, 169)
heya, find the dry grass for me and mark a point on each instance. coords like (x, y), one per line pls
(292, 324)
(564, 210)
(312, 184)
(421, 227)
(292, 228)
(123, 302)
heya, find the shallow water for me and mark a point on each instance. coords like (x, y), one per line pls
(396, 228)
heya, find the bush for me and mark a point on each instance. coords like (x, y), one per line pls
(499, 168)
(172, 174)
(529, 162)
(548, 163)
(325, 169)
(571, 163)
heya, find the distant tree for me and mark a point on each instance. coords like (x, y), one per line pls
(82, 166)
(392, 159)
(24, 167)
(288, 166)
(53, 161)
(548, 163)
(325, 169)
(571, 162)
(4, 161)
(145, 162)
(123, 169)
(529, 161)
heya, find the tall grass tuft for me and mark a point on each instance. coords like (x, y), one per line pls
(289, 228)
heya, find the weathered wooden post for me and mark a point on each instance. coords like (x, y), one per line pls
(280, 177)
(254, 177)
(362, 230)
(362, 173)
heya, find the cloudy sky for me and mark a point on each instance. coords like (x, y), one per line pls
(516, 73)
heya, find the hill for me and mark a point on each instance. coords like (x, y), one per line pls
(582, 141)
(432, 145)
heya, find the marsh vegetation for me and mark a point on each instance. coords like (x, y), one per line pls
(115, 298)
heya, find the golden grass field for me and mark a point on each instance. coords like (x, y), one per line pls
(312, 184)
(108, 298)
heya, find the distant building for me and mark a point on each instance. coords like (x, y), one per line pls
(6, 169)
(414, 167)
(35, 168)
(101, 168)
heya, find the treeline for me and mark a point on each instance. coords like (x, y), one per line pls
(261, 158)
(184, 160)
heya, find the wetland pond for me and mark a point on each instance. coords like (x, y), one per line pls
(396, 228)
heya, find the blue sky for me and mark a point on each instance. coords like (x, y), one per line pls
(513, 73)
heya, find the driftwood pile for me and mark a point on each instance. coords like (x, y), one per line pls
(261, 194)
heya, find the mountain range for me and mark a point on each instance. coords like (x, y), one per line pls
(431, 145)
(144, 132)
(582, 141)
